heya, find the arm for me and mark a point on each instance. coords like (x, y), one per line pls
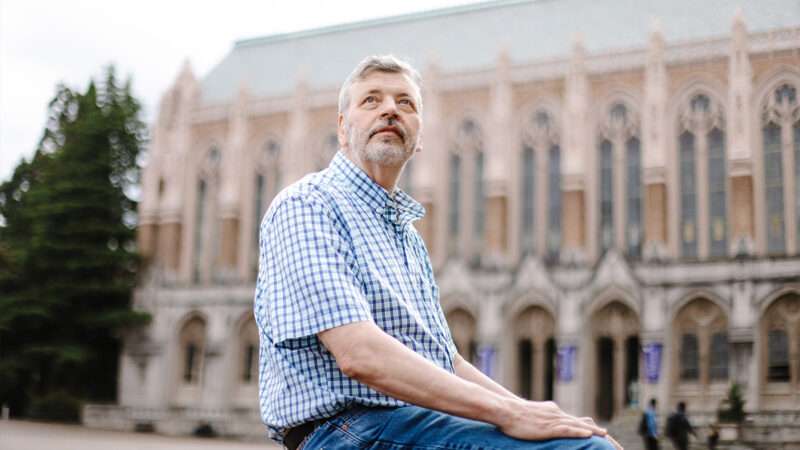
(367, 354)
(468, 372)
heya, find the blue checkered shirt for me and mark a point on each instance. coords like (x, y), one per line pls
(337, 248)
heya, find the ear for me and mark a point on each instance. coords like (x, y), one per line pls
(341, 131)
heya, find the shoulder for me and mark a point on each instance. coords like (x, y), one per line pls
(315, 192)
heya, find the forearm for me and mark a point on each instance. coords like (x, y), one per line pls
(470, 373)
(386, 365)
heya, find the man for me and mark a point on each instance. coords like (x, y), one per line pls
(355, 350)
(679, 427)
(648, 428)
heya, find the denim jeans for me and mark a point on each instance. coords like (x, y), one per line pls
(412, 427)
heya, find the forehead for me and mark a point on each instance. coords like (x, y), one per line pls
(388, 82)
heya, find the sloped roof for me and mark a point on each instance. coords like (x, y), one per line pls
(470, 37)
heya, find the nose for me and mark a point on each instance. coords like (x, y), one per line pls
(388, 107)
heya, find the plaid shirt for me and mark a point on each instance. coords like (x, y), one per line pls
(337, 248)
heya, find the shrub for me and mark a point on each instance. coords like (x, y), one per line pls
(56, 407)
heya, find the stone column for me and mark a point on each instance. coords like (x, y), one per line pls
(657, 231)
(498, 154)
(739, 135)
(574, 153)
(431, 168)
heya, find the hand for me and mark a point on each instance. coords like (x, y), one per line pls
(613, 441)
(545, 420)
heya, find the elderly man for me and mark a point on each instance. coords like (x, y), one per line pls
(355, 350)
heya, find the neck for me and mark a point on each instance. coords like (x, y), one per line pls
(386, 176)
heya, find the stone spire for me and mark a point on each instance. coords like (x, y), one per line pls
(740, 87)
(575, 111)
(655, 103)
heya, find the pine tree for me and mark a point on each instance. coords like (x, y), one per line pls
(71, 245)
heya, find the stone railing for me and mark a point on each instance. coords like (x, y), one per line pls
(175, 421)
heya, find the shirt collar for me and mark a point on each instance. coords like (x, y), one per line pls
(399, 208)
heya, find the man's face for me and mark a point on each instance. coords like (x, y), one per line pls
(382, 122)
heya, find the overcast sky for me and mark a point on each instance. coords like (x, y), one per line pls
(43, 43)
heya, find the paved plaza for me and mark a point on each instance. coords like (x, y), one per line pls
(17, 435)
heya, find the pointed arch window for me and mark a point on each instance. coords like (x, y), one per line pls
(480, 200)
(690, 357)
(467, 162)
(554, 202)
(781, 142)
(634, 197)
(192, 342)
(717, 182)
(606, 195)
(204, 244)
(619, 166)
(267, 183)
(528, 199)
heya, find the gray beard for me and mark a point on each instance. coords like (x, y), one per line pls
(376, 151)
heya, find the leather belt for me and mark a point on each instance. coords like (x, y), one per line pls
(295, 436)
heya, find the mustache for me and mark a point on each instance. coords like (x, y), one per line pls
(391, 127)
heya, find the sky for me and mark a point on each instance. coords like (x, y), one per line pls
(44, 43)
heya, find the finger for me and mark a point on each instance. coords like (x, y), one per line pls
(614, 442)
(570, 431)
(588, 420)
(589, 425)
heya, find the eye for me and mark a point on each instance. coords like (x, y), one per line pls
(370, 99)
(405, 101)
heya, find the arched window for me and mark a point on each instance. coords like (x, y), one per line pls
(717, 182)
(702, 170)
(606, 195)
(480, 201)
(780, 331)
(778, 357)
(719, 356)
(688, 196)
(454, 220)
(248, 347)
(554, 202)
(619, 166)
(634, 195)
(528, 199)
(467, 160)
(701, 337)
(690, 356)
(463, 328)
(780, 122)
(773, 178)
(268, 181)
(204, 243)
(540, 160)
(199, 226)
(192, 345)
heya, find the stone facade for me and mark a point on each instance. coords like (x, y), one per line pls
(605, 227)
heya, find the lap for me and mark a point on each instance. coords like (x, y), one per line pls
(412, 427)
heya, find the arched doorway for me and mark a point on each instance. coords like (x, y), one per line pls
(534, 329)
(614, 358)
(463, 328)
(779, 331)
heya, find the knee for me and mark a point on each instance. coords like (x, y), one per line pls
(598, 443)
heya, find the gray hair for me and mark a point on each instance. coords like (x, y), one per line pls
(379, 63)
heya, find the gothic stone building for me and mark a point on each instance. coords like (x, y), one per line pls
(612, 192)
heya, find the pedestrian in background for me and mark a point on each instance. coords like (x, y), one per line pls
(648, 426)
(678, 428)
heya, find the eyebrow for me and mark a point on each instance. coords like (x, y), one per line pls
(378, 91)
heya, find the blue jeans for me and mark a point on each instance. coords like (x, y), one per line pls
(412, 427)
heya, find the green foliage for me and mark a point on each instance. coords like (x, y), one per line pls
(68, 260)
(732, 409)
(56, 407)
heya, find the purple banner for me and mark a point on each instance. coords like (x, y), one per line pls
(486, 360)
(652, 361)
(565, 364)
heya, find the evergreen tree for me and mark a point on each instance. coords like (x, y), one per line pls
(69, 242)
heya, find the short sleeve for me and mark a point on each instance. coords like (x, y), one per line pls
(307, 276)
